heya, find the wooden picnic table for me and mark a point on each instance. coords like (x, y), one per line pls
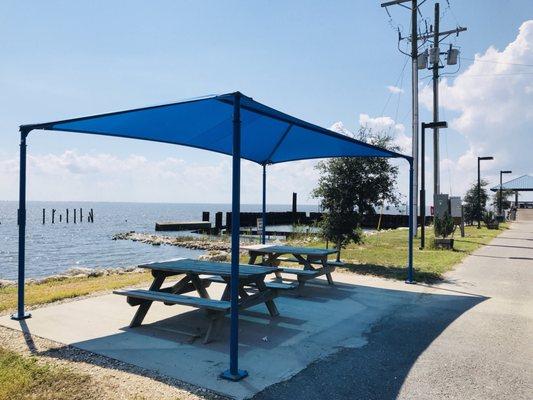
(314, 260)
(193, 270)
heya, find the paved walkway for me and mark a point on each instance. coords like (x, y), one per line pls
(364, 338)
(475, 347)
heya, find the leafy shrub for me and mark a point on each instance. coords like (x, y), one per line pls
(444, 226)
(489, 217)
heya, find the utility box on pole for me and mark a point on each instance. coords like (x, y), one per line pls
(455, 206)
(456, 211)
(442, 205)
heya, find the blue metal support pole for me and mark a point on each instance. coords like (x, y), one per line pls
(263, 233)
(234, 373)
(21, 314)
(411, 225)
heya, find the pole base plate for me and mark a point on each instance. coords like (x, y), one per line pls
(17, 317)
(241, 374)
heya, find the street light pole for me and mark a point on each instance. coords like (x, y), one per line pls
(479, 159)
(434, 125)
(501, 191)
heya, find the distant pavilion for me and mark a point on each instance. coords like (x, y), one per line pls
(523, 183)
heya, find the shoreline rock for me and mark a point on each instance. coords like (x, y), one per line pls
(75, 272)
(186, 242)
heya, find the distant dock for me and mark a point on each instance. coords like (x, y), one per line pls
(183, 226)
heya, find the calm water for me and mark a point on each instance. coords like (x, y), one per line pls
(53, 248)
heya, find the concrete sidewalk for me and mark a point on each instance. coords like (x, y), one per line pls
(366, 338)
(309, 328)
(423, 351)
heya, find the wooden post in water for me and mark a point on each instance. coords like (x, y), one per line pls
(53, 215)
(81, 214)
(228, 222)
(91, 214)
(218, 221)
(294, 207)
(60, 217)
(44, 215)
(205, 216)
(74, 215)
(66, 216)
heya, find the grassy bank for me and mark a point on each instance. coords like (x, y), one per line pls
(382, 254)
(23, 378)
(68, 288)
(385, 253)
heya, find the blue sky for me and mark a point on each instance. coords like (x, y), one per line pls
(321, 61)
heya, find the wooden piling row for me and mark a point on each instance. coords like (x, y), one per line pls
(90, 216)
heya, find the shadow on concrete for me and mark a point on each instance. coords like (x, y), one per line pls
(379, 369)
(499, 245)
(392, 271)
(514, 238)
(502, 257)
(398, 326)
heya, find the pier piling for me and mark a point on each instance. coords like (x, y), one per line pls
(294, 207)
(44, 215)
(218, 221)
(81, 215)
(53, 215)
(228, 222)
(74, 215)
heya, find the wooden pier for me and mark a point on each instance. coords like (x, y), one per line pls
(183, 226)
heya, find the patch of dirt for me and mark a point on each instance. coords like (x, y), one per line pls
(115, 379)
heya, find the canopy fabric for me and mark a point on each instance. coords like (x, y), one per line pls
(259, 133)
(268, 136)
(523, 183)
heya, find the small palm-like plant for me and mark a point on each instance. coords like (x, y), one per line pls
(489, 217)
(444, 226)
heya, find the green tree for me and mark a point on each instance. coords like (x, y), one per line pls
(350, 187)
(471, 211)
(505, 194)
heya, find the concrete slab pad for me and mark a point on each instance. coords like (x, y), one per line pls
(309, 328)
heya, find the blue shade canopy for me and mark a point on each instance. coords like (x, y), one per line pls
(268, 136)
(523, 183)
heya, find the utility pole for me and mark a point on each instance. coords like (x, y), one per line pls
(414, 88)
(451, 58)
(414, 91)
(436, 155)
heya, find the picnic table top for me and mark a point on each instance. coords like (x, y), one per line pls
(282, 249)
(223, 269)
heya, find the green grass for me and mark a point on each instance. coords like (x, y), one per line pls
(385, 253)
(24, 378)
(68, 288)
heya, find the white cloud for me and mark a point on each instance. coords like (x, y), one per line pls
(391, 127)
(105, 177)
(494, 105)
(340, 128)
(394, 89)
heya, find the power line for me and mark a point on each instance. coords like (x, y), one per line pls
(400, 77)
(414, 11)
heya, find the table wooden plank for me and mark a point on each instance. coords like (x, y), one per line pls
(281, 249)
(208, 268)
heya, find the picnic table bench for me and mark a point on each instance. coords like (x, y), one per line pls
(194, 279)
(314, 260)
